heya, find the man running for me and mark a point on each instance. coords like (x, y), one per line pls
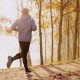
(24, 26)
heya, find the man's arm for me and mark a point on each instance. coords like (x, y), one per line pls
(14, 26)
(34, 27)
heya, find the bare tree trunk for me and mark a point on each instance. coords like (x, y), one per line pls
(21, 4)
(17, 9)
(45, 43)
(68, 46)
(60, 32)
(78, 55)
(29, 59)
(52, 30)
(75, 34)
(20, 60)
(40, 34)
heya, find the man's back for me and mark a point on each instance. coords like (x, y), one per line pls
(25, 26)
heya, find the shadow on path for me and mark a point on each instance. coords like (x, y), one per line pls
(58, 68)
(76, 62)
(37, 75)
(48, 70)
(75, 65)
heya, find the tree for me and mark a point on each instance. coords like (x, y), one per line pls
(40, 33)
(20, 60)
(52, 30)
(68, 46)
(78, 31)
(60, 32)
(75, 33)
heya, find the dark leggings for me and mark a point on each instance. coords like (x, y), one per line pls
(24, 50)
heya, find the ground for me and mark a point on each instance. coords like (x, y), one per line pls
(66, 71)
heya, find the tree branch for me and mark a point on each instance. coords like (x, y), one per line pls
(69, 12)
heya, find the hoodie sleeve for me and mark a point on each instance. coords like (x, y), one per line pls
(34, 27)
(14, 26)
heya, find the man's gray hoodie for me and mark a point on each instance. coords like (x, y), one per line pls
(25, 25)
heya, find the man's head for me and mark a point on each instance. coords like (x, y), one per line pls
(25, 11)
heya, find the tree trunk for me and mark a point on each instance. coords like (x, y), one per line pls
(52, 30)
(45, 43)
(75, 34)
(21, 4)
(68, 46)
(29, 59)
(17, 8)
(40, 34)
(20, 60)
(78, 55)
(60, 32)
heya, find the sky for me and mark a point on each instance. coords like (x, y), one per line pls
(8, 8)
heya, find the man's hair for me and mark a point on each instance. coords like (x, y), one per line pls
(25, 11)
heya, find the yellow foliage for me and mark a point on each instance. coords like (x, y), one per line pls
(56, 20)
(55, 4)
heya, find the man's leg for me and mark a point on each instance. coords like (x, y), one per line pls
(25, 48)
(17, 56)
(11, 59)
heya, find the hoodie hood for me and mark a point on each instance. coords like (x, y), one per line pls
(25, 17)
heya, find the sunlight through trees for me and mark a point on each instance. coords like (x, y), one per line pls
(58, 23)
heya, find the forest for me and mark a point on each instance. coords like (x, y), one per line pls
(58, 34)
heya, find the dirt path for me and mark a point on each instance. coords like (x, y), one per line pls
(66, 71)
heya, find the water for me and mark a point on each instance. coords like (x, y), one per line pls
(9, 46)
